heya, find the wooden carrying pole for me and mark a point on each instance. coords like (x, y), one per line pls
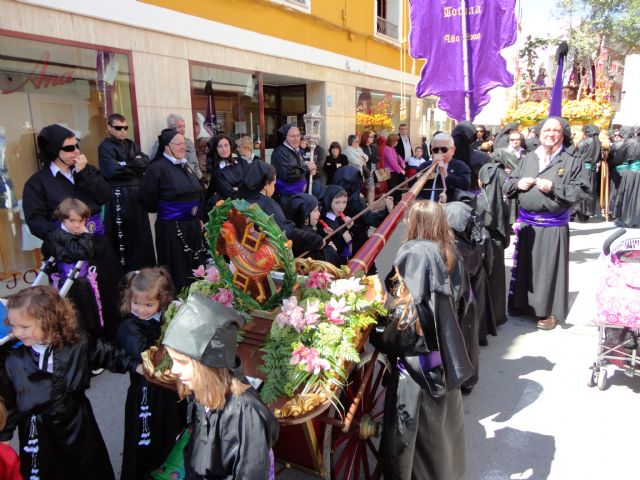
(364, 258)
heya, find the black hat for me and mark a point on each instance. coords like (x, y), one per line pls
(299, 207)
(283, 131)
(50, 141)
(329, 193)
(164, 139)
(206, 331)
(255, 177)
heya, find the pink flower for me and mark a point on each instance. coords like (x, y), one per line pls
(211, 274)
(199, 272)
(291, 314)
(310, 356)
(318, 280)
(224, 296)
(346, 286)
(334, 310)
(311, 315)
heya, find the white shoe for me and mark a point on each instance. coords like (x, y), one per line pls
(97, 371)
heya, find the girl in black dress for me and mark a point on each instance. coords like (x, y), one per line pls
(44, 388)
(227, 172)
(172, 190)
(232, 431)
(153, 415)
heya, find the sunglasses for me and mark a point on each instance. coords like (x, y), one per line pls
(440, 149)
(70, 148)
(120, 127)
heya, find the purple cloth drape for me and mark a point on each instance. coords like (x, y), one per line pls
(436, 34)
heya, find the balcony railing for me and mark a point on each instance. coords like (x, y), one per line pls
(385, 27)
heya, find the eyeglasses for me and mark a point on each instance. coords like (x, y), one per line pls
(181, 144)
(440, 149)
(514, 139)
(70, 148)
(120, 127)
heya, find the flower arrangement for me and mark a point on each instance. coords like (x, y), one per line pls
(375, 121)
(313, 337)
(575, 111)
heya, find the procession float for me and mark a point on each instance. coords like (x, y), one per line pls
(304, 345)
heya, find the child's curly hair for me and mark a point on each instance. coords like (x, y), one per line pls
(151, 280)
(56, 314)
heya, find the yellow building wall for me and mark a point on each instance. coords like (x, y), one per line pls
(344, 27)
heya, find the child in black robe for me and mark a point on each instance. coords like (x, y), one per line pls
(69, 244)
(304, 213)
(65, 174)
(172, 190)
(153, 415)
(232, 430)
(45, 385)
(334, 202)
(258, 185)
(423, 423)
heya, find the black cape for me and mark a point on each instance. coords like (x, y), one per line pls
(147, 441)
(589, 152)
(626, 206)
(181, 254)
(423, 435)
(69, 440)
(43, 193)
(122, 164)
(540, 276)
(233, 442)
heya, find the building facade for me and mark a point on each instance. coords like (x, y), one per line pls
(254, 64)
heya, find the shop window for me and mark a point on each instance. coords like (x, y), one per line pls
(225, 101)
(378, 111)
(43, 82)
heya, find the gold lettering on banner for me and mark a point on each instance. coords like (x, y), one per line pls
(450, 38)
(457, 12)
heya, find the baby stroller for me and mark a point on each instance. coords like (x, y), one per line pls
(618, 307)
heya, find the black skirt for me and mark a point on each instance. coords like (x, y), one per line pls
(180, 249)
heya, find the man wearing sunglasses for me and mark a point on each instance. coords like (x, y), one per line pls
(455, 173)
(123, 164)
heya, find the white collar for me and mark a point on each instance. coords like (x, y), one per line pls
(55, 169)
(331, 216)
(542, 155)
(174, 160)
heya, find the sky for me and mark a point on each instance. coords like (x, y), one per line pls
(538, 18)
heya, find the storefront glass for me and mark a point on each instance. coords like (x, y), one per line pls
(42, 82)
(380, 110)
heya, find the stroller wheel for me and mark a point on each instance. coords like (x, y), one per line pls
(602, 379)
(591, 379)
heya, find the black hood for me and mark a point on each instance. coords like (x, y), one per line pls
(329, 193)
(282, 132)
(502, 139)
(50, 141)
(465, 222)
(349, 178)
(299, 207)
(463, 136)
(422, 269)
(591, 131)
(164, 139)
(255, 178)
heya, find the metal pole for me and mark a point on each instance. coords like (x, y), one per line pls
(465, 61)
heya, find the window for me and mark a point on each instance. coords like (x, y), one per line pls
(388, 19)
(380, 110)
(302, 5)
(42, 82)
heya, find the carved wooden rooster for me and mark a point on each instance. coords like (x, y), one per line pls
(254, 257)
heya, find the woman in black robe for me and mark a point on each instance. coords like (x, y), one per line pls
(334, 161)
(123, 165)
(172, 190)
(293, 172)
(45, 389)
(495, 213)
(66, 174)
(227, 172)
(547, 182)
(589, 153)
(257, 187)
(626, 209)
(423, 431)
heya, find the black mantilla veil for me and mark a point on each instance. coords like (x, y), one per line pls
(164, 139)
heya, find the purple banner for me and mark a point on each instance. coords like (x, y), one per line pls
(436, 36)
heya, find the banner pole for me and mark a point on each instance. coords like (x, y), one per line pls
(465, 61)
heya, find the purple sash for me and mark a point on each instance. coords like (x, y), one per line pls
(292, 188)
(65, 268)
(428, 361)
(178, 210)
(95, 225)
(544, 219)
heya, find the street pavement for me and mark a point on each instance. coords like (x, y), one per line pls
(531, 416)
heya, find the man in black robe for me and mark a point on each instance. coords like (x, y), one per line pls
(122, 164)
(590, 151)
(626, 208)
(463, 137)
(547, 182)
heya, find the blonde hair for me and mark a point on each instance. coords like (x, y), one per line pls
(245, 142)
(426, 220)
(210, 385)
(403, 301)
